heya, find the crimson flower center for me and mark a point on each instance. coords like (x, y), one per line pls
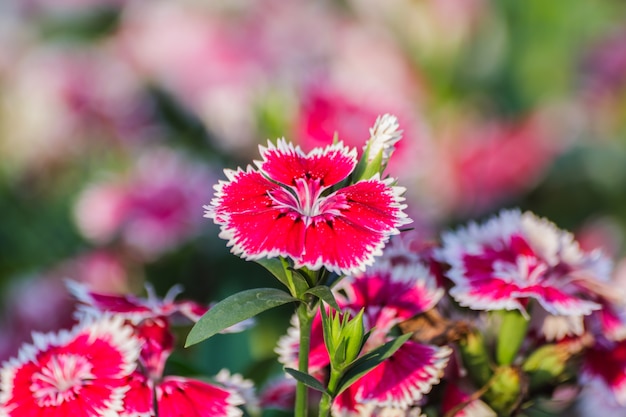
(61, 379)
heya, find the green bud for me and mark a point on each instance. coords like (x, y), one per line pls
(476, 358)
(546, 365)
(383, 137)
(504, 390)
(343, 337)
(511, 335)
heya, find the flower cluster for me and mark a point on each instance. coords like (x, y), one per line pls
(508, 317)
(112, 364)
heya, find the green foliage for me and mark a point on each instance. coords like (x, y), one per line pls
(235, 309)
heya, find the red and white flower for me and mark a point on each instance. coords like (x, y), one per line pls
(515, 257)
(135, 308)
(79, 373)
(288, 208)
(605, 365)
(388, 296)
(176, 396)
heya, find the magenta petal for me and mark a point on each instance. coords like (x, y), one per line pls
(139, 399)
(359, 220)
(405, 377)
(285, 163)
(373, 204)
(115, 303)
(251, 221)
(608, 363)
(177, 396)
(404, 291)
(559, 302)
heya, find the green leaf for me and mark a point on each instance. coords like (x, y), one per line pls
(276, 266)
(369, 361)
(306, 379)
(235, 309)
(325, 294)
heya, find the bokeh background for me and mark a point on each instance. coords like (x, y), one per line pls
(117, 117)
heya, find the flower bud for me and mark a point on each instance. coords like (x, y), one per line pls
(383, 137)
(343, 337)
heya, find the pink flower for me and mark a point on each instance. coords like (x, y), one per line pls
(152, 210)
(398, 382)
(388, 296)
(605, 365)
(514, 258)
(289, 208)
(56, 377)
(175, 396)
(136, 308)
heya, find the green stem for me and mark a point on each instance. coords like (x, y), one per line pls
(327, 398)
(306, 321)
(511, 335)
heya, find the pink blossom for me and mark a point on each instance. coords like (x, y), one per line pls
(605, 363)
(483, 163)
(288, 208)
(133, 308)
(150, 211)
(177, 396)
(279, 394)
(55, 377)
(597, 399)
(388, 296)
(401, 381)
(514, 258)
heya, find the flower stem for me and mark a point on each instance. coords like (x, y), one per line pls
(327, 399)
(305, 318)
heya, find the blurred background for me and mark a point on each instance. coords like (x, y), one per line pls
(117, 117)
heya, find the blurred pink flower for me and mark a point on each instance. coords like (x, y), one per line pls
(53, 376)
(513, 258)
(481, 165)
(287, 208)
(75, 100)
(152, 210)
(605, 363)
(206, 59)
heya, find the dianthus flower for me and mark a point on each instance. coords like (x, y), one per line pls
(387, 295)
(515, 257)
(296, 206)
(78, 373)
(148, 388)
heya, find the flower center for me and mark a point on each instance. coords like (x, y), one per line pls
(304, 198)
(61, 379)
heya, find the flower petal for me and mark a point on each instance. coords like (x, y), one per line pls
(347, 240)
(250, 220)
(285, 163)
(405, 377)
(139, 400)
(177, 396)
